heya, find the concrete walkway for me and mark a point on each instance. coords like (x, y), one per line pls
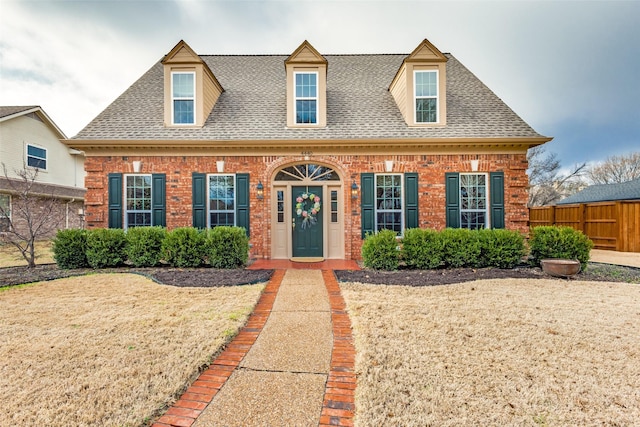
(292, 364)
(629, 259)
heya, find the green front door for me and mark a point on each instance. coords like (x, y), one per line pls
(307, 221)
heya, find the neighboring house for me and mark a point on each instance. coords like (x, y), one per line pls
(380, 141)
(30, 140)
(629, 190)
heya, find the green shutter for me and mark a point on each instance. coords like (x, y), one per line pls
(497, 199)
(452, 191)
(411, 200)
(158, 200)
(368, 203)
(115, 200)
(199, 199)
(242, 201)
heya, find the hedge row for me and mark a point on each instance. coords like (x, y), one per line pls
(451, 248)
(221, 247)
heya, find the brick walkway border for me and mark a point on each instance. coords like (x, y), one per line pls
(338, 407)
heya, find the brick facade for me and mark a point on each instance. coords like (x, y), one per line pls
(431, 190)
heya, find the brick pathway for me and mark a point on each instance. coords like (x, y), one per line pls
(338, 404)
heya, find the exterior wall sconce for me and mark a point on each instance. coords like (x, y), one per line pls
(259, 191)
(388, 165)
(354, 190)
(220, 166)
(137, 166)
(474, 165)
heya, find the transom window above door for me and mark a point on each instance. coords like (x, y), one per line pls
(307, 171)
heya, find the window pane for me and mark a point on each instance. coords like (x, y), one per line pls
(426, 83)
(183, 85)
(306, 111)
(221, 200)
(183, 111)
(389, 202)
(138, 200)
(473, 201)
(37, 152)
(426, 110)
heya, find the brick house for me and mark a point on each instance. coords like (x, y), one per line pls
(31, 150)
(308, 152)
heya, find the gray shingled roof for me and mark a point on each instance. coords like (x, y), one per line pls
(359, 105)
(11, 110)
(629, 190)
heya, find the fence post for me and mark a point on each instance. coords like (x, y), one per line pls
(620, 236)
(552, 215)
(582, 212)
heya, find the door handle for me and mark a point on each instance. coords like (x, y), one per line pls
(293, 223)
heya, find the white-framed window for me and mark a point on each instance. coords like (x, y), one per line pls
(222, 200)
(389, 202)
(137, 201)
(426, 96)
(474, 201)
(183, 98)
(5, 212)
(36, 157)
(306, 97)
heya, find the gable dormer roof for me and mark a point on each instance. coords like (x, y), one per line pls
(306, 54)
(426, 52)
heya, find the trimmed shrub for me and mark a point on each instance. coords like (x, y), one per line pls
(380, 251)
(461, 248)
(422, 249)
(559, 242)
(144, 245)
(184, 247)
(106, 247)
(70, 249)
(500, 248)
(227, 247)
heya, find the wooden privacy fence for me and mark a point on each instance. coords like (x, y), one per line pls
(614, 226)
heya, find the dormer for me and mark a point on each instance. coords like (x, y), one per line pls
(306, 88)
(190, 88)
(419, 87)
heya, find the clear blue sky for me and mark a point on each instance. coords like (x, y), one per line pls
(571, 69)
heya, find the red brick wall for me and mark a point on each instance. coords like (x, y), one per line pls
(431, 169)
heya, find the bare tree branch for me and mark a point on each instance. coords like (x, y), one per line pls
(616, 169)
(546, 184)
(31, 215)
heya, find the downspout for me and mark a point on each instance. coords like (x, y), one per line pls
(66, 216)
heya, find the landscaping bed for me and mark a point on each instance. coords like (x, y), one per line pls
(210, 277)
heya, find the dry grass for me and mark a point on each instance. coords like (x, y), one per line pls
(10, 257)
(509, 352)
(107, 350)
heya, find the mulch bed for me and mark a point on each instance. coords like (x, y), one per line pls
(183, 277)
(210, 277)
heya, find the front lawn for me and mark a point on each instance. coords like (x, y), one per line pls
(497, 352)
(108, 349)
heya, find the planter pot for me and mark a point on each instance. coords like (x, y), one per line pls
(560, 267)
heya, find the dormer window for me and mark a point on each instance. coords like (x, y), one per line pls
(190, 88)
(419, 87)
(426, 96)
(183, 89)
(306, 88)
(306, 98)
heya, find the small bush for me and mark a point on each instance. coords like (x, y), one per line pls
(461, 248)
(559, 242)
(144, 245)
(380, 251)
(106, 247)
(184, 247)
(228, 247)
(500, 248)
(69, 249)
(422, 249)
